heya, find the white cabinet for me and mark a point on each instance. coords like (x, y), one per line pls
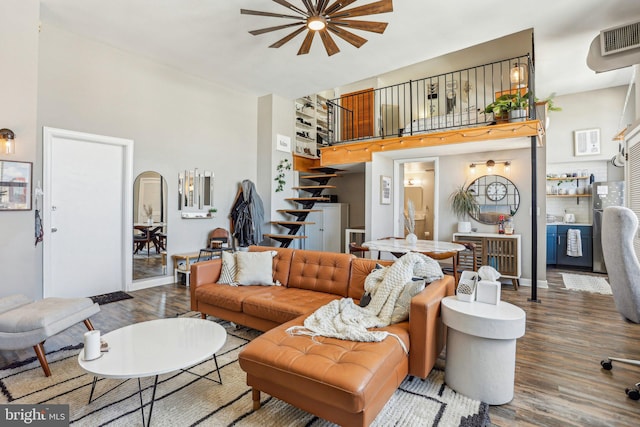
(327, 234)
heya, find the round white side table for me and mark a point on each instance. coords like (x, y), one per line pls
(481, 348)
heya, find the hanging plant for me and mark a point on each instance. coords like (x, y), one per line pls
(284, 165)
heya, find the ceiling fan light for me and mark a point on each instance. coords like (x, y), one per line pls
(316, 23)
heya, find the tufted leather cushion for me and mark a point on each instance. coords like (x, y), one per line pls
(280, 305)
(360, 269)
(320, 271)
(227, 296)
(281, 262)
(343, 374)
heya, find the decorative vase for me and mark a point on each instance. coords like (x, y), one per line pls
(464, 226)
(150, 221)
(411, 239)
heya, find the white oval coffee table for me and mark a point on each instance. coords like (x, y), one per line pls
(153, 348)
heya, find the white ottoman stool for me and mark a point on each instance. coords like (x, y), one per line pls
(24, 323)
(481, 348)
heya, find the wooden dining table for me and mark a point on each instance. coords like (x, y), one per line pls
(431, 248)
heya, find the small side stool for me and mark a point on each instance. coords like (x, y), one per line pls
(24, 323)
(481, 348)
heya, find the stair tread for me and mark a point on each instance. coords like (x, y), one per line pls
(299, 210)
(292, 222)
(325, 169)
(309, 187)
(308, 199)
(285, 236)
(313, 176)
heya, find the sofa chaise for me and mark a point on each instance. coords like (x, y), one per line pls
(345, 382)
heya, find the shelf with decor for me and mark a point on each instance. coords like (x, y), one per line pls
(577, 180)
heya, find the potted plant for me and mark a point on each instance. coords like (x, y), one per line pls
(410, 223)
(463, 203)
(510, 106)
(280, 177)
(212, 212)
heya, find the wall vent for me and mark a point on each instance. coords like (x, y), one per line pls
(619, 39)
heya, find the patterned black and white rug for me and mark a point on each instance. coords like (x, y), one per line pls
(185, 400)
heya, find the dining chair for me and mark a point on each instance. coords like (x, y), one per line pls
(465, 259)
(440, 256)
(357, 250)
(141, 238)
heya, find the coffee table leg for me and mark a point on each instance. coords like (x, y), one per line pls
(153, 398)
(93, 387)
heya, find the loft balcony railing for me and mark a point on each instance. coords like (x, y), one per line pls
(446, 101)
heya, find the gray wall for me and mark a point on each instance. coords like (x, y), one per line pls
(177, 122)
(19, 85)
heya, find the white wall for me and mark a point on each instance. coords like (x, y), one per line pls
(19, 258)
(177, 121)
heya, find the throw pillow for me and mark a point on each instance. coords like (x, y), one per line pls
(229, 268)
(255, 268)
(403, 303)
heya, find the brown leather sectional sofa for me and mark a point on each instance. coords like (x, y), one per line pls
(342, 381)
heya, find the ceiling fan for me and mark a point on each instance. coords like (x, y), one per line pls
(318, 17)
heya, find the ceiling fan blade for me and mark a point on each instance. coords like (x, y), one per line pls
(354, 39)
(276, 28)
(329, 45)
(276, 15)
(310, 6)
(306, 44)
(382, 6)
(337, 5)
(322, 5)
(375, 27)
(289, 37)
(288, 5)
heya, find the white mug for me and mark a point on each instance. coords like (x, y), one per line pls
(91, 345)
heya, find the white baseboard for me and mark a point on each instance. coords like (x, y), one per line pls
(150, 283)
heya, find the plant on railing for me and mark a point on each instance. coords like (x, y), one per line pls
(283, 166)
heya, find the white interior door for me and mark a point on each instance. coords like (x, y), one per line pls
(87, 213)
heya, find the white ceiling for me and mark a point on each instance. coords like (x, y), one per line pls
(210, 39)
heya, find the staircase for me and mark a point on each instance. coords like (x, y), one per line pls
(320, 176)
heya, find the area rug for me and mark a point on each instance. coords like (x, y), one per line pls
(110, 297)
(184, 399)
(584, 282)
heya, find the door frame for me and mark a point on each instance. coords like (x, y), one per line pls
(48, 135)
(398, 208)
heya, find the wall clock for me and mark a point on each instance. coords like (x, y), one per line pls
(496, 191)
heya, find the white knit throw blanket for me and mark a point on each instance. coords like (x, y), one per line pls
(346, 320)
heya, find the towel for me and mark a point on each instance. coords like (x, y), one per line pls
(574, 243)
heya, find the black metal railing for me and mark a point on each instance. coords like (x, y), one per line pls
(446, 101)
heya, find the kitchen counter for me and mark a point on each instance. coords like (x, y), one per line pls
(577, 224)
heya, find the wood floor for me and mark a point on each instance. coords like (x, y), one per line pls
(559, 381)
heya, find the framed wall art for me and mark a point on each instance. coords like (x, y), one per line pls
(587, 142)
(15, 186)
(385, 190)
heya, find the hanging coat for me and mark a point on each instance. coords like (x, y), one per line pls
(247, 214)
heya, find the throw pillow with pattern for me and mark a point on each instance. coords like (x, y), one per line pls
(403, 303)
(229, 268)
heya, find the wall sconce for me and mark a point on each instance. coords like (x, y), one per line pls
(490, 165)
(8, 139)
(410, 182)
(518, 75)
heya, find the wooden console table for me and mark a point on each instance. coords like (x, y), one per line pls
(500, 251)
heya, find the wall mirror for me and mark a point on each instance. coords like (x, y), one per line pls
(149, 225)
(496, 195)
(195, 193)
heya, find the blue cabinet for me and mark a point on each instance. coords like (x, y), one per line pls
(557, 246)
(552, 243)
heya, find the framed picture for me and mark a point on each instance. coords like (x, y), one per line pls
(586, 142)
(15, 186)
(283, 143)
(385, 190)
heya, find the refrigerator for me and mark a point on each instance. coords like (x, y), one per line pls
(604, 194)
